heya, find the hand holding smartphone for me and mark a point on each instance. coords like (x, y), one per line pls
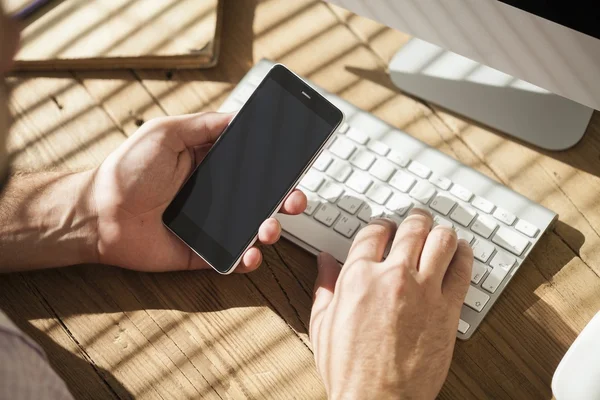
(254, 165)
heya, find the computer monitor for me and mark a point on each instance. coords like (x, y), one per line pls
(528, 68)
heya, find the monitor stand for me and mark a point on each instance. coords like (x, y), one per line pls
(488, 96)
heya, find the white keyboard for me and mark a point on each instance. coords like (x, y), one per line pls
(372, 169)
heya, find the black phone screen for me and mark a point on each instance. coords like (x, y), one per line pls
(251, 168)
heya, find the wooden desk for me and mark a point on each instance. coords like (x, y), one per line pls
(114, 333)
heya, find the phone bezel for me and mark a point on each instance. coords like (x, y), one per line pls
(316, 103)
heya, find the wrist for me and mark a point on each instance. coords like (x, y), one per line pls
(48, 220)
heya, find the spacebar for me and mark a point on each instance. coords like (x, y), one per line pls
(316, 235)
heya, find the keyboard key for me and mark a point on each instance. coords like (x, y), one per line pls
(359, 182)
(344, 128)
(476, 299)
(510, 240)
(399, 203)
(398, 159)
(311, 205)
(526, 228)
(478, 272)
(437, 220)
(464, 234)
(350, 203)
(463, 327)
(339, 170)
(312, 180)
(463, 214)
(419, 169)
(440, 181)
(363, 159)
(331, 191)
(342, 147)
(482, 250)
(371, 211)
(402, 181)
(484, 226)
(243, 93)
(255, 80)
(501, 265)
(378, 147)
(462, 193)
(323, 162)
(504, 216)
(442, 204)
(327, 214)
(503, 260)
(423, 192)
(482, 204)
(379, 193)
(382, 170)
(347, 226)
(358, 136)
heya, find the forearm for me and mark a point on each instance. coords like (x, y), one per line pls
(47, 220)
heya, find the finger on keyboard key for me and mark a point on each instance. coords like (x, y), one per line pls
(504, 216)
(378, 147)
(419, 169)
(323, 162)
(382, 170)
(358, 136)
(484, 226)
(423, 192)
(399, 203)
(482, 250)
(476, 299)
(478, 272)
(363, 159)
(402, 181)
(398, 159)
(312, 180)
(339, 170)
(462, 193)
(510, 240)
(442, 204)
(312, 204)
(483, 204)
(342, 147)
(350, 203)
(464, 234)
(331, 191)
(379, 193)
(359, 182)
(347, 226)
(440, 181)
(526, 228)
(327, 214)
(463, 214)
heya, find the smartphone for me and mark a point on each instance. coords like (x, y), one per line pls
(247, 174)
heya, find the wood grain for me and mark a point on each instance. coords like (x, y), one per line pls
(192, 335)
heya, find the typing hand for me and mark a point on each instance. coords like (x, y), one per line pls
(386, 329)
(135, 184)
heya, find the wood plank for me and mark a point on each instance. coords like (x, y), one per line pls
(57, 124)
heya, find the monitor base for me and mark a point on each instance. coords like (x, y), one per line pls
(488, 96)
